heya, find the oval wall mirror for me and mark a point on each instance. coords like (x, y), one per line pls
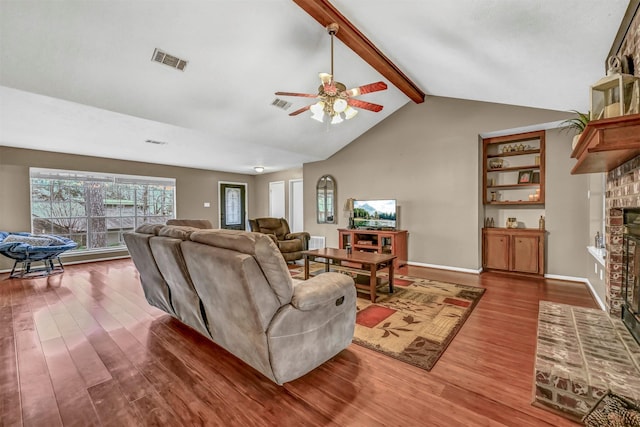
(325, 200)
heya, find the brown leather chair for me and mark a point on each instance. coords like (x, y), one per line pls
(290, 244)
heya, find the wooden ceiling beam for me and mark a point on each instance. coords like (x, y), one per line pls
(325, 13)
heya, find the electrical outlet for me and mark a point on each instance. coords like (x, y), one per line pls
(207, 204)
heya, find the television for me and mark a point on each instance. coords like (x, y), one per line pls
(375, 214)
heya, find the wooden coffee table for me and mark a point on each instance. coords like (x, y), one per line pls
(366, 261)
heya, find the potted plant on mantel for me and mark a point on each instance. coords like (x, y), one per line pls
(578, 124)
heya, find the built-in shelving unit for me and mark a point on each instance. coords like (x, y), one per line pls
(513, 185)
(517, 155)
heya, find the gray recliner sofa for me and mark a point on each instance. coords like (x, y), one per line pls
(234, 288)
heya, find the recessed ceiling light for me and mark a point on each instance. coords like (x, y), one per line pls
(259, 169)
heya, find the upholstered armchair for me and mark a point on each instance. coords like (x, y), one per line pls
(290, 244)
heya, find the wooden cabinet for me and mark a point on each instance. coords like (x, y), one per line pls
(513, 169)
(496, 249)
(514, 250)
(377, 241)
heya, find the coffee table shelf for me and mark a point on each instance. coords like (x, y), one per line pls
(370, 264)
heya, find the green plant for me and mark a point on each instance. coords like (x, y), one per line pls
(577, 123)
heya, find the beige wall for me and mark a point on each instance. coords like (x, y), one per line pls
(193, 186)
(427, 157)
(567, 209)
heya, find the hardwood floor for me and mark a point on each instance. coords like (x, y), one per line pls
(84, 348)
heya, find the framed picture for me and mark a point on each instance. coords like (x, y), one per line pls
(524, 177)
(535, 178)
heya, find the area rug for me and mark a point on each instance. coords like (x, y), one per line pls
(416, 323)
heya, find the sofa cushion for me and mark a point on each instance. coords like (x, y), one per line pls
(290, 245)
(184, 298)
(272, 226)
(177, 231)
(196, 223)
(262, 248)
(149, 228)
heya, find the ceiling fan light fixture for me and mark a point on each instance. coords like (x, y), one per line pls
(350, 113)
(334, 97)
(336, 119)
(339, 105)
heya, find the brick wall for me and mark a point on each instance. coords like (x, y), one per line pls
(623, 191)
(631, 43)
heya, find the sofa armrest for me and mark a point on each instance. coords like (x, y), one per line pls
(321, 290)
(303, 235)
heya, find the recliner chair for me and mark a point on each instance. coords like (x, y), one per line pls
(290, 244)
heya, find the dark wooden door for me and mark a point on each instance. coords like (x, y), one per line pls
(233, 206)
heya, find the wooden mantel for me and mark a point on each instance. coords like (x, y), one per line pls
(606, 144)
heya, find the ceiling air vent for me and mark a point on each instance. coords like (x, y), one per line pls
(170, 60)
(281, 103)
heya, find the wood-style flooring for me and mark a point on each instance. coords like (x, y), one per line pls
(84, 348)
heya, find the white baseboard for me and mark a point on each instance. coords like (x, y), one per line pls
(602, 305)
(8, 270)
(445, 267)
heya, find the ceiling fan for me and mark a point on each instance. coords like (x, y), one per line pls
(334, 99)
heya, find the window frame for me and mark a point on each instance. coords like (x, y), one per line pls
(153, 200)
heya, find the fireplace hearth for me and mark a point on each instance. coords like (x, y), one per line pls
(631, 272)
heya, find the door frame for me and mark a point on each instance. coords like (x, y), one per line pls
(246, 202)
(284, 196)
(291, 204)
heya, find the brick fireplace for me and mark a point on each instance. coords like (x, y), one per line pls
(623, 191)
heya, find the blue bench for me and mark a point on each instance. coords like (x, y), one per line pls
(26, 248)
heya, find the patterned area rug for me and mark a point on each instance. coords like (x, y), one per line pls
(416, 323)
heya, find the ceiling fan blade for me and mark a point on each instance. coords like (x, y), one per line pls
(371, 87)
(365, 105)
(302, 110)
(306, 95)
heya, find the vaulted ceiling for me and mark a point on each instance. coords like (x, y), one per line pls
(77, 76)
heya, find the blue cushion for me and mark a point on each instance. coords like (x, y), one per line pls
(29, 240)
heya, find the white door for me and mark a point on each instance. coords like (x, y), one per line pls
(296, 204)
(276, 199)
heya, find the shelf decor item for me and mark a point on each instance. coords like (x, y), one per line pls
(496, 163)
(578, 124)
(524, 177)
(611, 95)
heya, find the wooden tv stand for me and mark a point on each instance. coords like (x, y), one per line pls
(376, 241)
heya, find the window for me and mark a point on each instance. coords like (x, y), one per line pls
(95, 209)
